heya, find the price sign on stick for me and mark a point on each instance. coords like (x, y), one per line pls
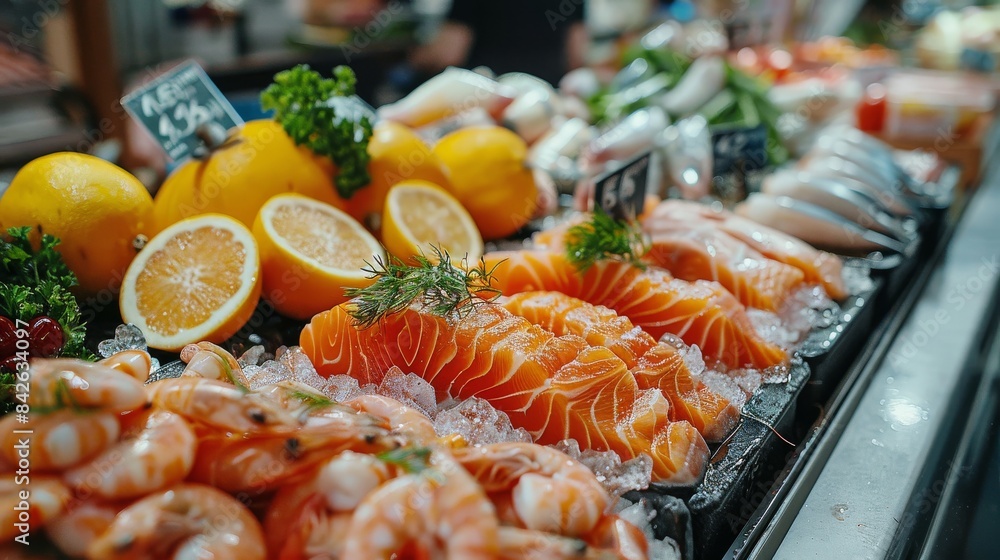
(174, 106)
(622, 192)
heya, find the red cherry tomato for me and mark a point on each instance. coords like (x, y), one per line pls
(46, 336)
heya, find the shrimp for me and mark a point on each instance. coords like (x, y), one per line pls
(404, 420)
(440, 508)
(82, 523)
(550, 491)
(184, 521)
(320, 507)
(263, 462)
(614, 533)
(59, 440)
(210, 361)
(154, 453)
(136, 363)
(304, 402)
(65, 382)
(525, 544)
(30, 505)
(220, 405)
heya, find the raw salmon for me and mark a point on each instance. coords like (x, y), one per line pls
(556, 387)
(655, 365)
(701, 313)
(818, 267)
(703, 252)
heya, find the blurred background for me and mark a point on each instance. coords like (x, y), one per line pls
(64, 64)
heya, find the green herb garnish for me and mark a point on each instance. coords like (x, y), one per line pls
(62, 398)
(605, 238)
(36, 283)
(306, 105)
(312, 400)
(410, 459)
(438, 286)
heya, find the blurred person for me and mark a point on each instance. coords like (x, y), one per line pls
(545, 38)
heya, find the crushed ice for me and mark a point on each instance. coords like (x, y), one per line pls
(734, 385)
(479, 423)
(409, 389)
(616, 477)
(127, 337)
(806, 309)
(857, 279)
(638, 515)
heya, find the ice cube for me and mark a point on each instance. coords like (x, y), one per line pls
(127, 337)
(302, 369)
(857, 279)
(667, 549)
(340, 388)
(725, 385)
(251, 357)
(774, 329)
(409, 389)
(265, 374)
(642, 517)
(479, 423)
(616, 477)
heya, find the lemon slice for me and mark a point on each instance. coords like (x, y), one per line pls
(419, 215)
(310, 251)
(199, 279)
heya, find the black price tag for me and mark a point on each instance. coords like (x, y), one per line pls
(174, 105)
(622, 192)
(738, 154)
(739, 150)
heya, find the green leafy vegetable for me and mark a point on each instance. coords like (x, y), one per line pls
(439, 287)
(605, 238)
(8, 387)
(311, 110)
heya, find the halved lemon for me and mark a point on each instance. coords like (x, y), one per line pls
(310, 251)
(419, 215)
(199, 279)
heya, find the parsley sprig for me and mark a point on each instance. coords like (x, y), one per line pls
(36, 283)
(605, 238)
(312, 110)
(436, 284)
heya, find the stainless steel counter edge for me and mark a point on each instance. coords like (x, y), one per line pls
(869, 484)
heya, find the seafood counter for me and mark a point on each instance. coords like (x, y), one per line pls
(633, 322)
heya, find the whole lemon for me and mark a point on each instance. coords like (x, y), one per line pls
(486, 172)
(257, 162)
(94, 207)
(397, 154)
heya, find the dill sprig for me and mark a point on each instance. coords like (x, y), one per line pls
(605, 238)
(410, 459)
(312, 400)
(438, 286)
(62, 398)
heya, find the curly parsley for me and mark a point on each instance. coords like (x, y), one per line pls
(325, 116)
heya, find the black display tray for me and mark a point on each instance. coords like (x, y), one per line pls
(728, 495)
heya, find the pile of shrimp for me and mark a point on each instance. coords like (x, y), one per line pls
(199, 466)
